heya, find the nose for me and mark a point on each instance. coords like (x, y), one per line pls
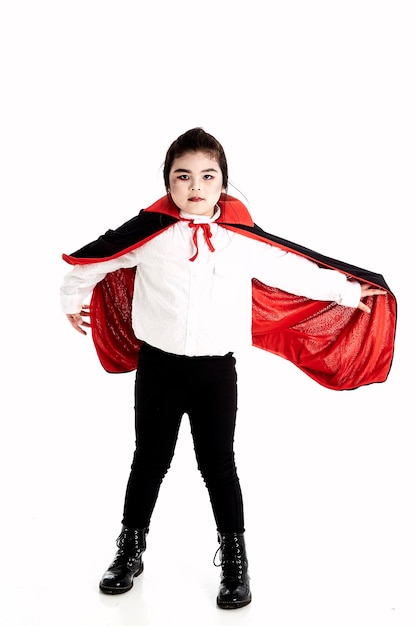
(194, 184)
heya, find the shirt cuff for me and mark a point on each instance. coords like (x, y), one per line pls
(70, 304)
(351, 294)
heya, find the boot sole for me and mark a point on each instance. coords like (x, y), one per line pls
(112, 591)
(234, 605)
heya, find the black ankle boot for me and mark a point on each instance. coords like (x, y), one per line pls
(234, 589)
(127, 562)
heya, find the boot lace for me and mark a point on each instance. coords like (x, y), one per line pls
(129, 545)
(230, 555)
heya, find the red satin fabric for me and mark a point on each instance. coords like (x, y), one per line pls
(339, 347)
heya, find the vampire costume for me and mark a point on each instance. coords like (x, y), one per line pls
(337, 346)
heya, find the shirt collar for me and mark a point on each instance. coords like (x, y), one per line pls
(201, 219)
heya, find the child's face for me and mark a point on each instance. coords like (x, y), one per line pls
(195, 183)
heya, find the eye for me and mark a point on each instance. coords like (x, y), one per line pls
(208, 176)
(183, 177)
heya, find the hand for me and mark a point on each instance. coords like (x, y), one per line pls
(76, 319)
(368, 290)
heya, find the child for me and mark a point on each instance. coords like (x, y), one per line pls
(195, 279)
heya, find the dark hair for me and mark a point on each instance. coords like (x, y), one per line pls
(195, 140)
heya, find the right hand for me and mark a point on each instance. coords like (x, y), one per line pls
(77, 319)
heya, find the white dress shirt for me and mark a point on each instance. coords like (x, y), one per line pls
(204, 307)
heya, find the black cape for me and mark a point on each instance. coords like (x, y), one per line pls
(339, 347)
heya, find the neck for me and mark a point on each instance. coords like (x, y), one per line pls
(202, 218)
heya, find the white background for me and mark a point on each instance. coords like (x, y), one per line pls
(315, 104)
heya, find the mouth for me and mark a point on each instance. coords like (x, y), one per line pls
(195, 199)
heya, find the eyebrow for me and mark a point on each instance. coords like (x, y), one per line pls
(181, 169)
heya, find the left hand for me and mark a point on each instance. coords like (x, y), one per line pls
(77, 320)
(369, 290)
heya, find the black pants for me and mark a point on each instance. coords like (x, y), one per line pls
(167, 386)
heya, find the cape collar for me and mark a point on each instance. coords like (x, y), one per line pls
(233, 211)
